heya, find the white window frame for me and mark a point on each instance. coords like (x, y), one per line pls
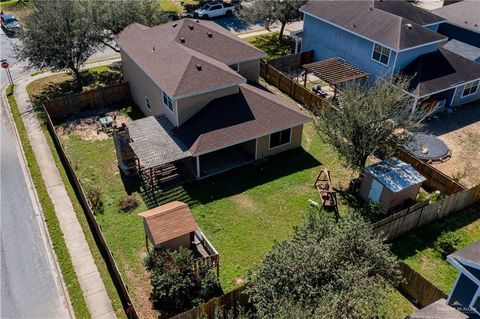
(167, 97)
(270, 139)
(472, 83)
(381, 54)
(148, 103)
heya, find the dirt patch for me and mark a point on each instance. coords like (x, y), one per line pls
(86, 125)
(140, 288)
(465, 162)
(243, 200)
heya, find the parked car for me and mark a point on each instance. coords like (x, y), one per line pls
(10, 24)
(215, 9)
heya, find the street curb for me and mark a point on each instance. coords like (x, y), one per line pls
(34, 196)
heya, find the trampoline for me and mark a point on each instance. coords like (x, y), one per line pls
(428, 148)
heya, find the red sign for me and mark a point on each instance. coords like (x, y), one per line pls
(4, 64)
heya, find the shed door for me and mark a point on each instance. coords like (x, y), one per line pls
(375, 191)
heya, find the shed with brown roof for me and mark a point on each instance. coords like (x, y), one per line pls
(170, 226)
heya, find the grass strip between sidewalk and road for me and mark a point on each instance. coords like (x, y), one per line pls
(61, 251)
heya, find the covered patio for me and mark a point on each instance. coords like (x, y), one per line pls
(333, 71)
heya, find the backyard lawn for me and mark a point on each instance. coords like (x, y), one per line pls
(417, 247)
(270, 44)
(241, 212)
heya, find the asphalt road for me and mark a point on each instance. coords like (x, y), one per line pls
(30, 284)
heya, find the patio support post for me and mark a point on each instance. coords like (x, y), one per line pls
(152, 184)
(305, 78)
(198, 166)
(414, 107)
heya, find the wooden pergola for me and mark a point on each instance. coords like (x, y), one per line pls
(334, 71)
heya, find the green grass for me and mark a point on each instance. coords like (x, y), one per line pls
(38, 72)
(417, 247)
(68, 273)
(271, 45)
(170, 6)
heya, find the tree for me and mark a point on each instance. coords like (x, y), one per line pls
(57, 35)
(372, 118)
(111, 17)
(177, 284)
(328, 270)
(285, 11)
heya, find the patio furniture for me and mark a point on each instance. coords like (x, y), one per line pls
(105, 123)
(318, 90)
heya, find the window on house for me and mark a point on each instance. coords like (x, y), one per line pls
(147, 103)
(167, 101)
(470, 88)
(235, 67)
(381, 54)
(280, 138)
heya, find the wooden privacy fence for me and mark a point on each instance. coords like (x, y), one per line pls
(435, 178)
(295, 90)
(419, 290)
(217, 307)
(288, 63)
(422, 214)
(88, 100)
(117, 279)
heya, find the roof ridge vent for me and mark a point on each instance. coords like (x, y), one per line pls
(199, 67)
(190, 26)
(174, 25)
(182, 39)
(209, 34)
(409, 25)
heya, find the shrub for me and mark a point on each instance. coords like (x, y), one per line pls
(94, 197)
(447, 243)
(177, 284)
(127, 204)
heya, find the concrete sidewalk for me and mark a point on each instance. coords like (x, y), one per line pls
(91, 283)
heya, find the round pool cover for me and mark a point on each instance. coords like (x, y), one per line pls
(428, 147)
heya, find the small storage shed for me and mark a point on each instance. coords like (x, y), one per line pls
(170, 226)
(390, 182)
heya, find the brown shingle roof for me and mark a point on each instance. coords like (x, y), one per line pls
(171, 53)
(169, 221)
(387, 22)
(229, 120)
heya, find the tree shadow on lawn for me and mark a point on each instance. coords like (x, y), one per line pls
(424, 237)
(235, 181)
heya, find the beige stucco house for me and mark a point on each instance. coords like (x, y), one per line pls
(197, 83)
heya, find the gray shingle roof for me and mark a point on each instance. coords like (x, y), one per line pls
(470, 253)
(438, 310)
(170, 53)
(463, 49)
(464, 13)
(393, 23)
(438, 71)
(395, 174)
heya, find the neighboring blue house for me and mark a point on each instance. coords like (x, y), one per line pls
(465, 294)
(388, 37)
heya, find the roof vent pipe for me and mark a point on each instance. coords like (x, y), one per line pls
(197, 21)
(174, 25)
(182, 40)
(153, 49)
(209, 34)
(409, 25)
(371, 9)
(199, 67)
(190, 27)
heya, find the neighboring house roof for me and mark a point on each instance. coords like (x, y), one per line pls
(169, 221)
(395, 24)
(464, 13)
(438, 310)
(464, 49)
(187, 56)
(395, 174)
(438, 71)
(469, 254)
(229, 120)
